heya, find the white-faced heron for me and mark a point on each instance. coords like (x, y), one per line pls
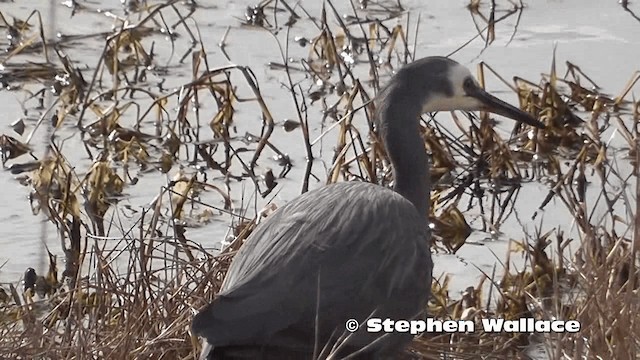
(351, 250)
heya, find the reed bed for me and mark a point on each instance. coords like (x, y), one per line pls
(133, 280)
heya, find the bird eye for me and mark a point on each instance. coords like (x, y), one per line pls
(468, 83)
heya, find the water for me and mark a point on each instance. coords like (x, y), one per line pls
(598, 36)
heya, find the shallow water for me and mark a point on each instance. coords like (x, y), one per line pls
(598, 36)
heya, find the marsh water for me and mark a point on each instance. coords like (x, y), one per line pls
(599, 36)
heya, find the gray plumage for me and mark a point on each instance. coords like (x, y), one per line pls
(292, 272)
(349, 250)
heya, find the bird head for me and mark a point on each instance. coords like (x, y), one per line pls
(452, 87)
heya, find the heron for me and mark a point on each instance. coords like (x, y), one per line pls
(350, 251)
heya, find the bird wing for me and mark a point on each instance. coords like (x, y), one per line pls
(303, 252)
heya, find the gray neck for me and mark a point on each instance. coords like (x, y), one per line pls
(399, 125)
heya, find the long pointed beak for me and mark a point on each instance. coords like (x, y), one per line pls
(497, 106)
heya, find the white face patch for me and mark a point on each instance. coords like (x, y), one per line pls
(459, 101)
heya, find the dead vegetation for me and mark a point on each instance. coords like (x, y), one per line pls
(133, 279)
